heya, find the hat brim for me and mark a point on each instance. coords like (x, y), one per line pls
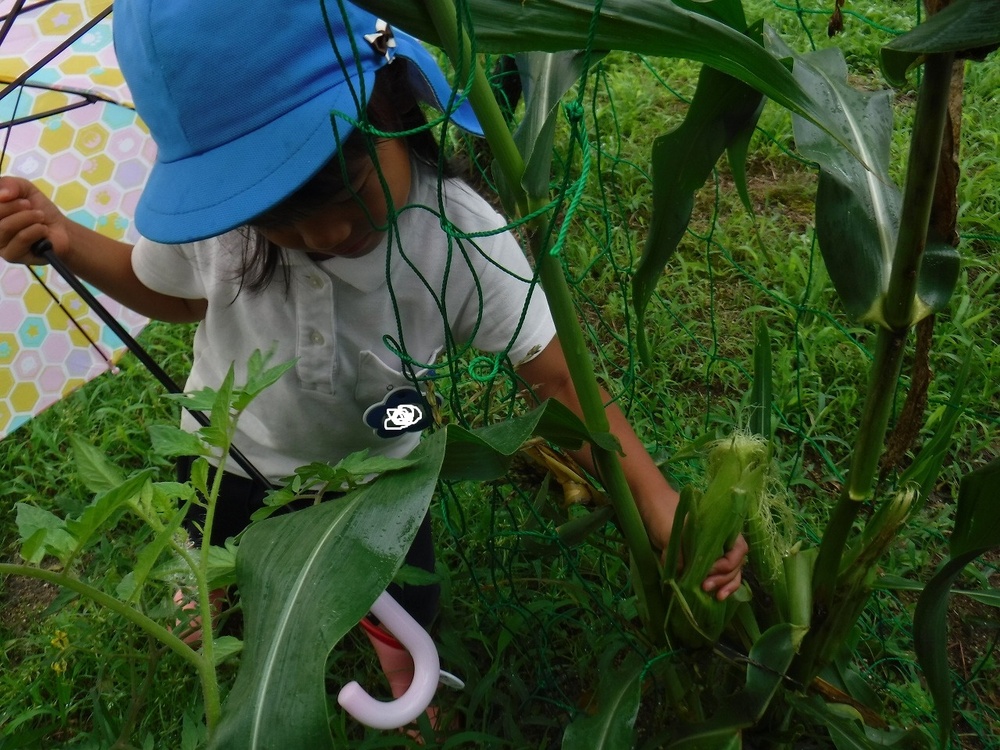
(212, 192)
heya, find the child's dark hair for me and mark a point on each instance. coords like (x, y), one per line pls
(392, 108)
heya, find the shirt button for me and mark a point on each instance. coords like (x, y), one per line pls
(316, 281)
(317, 338)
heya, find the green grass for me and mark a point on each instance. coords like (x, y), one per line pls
(529, 634)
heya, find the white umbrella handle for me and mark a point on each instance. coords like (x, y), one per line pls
(426, 673)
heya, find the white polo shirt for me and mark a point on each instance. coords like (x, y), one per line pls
(425, 292)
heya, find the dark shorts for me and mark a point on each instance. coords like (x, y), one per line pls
(239, 498)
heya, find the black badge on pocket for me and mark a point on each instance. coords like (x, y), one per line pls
(402, 410)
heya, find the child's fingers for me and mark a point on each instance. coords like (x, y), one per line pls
(20, 230)
(725, 576)
(10, 189)
(729, 587)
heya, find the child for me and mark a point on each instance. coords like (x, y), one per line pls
(274, 221)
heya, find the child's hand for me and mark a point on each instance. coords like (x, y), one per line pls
(726, 575)
(27, 216)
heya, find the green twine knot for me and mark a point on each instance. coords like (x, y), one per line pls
(477, 365)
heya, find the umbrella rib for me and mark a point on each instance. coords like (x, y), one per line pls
(18, 9)
(50, 113)
(58, 50)
(43, 249)
(8, 20)
(90, 96)
(73, 320)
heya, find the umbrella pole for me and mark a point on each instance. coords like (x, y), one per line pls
(43, 249)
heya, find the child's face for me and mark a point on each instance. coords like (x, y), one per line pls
(352, 221)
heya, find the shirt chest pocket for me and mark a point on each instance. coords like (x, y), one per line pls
(392, 405)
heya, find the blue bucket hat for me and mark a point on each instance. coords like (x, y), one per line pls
(238, 97)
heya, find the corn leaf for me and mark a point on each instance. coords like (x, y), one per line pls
(977, 530)
(971, 27)
(724, 109)
(645, 26)
(847, 731)
(857, 208)
(305, 579)
(611, 726)
(545, 79)
(486, 453)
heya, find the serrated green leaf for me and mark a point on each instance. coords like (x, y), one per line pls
(96, 472)
(103, 509)
(964, 26)
(259, 377)
(170, 441)
(131, 585)
(42, 533)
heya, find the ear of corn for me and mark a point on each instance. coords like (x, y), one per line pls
(736, 471)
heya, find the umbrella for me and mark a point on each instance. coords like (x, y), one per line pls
(66, 123)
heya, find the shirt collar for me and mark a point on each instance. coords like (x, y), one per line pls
(366, 274)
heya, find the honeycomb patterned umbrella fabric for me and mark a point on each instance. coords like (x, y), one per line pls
(67, 125)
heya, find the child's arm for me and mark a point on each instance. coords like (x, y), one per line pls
(548, 376)
(27, 216)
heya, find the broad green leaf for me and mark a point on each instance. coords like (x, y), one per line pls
(485, 453)
(650, 28)
(305, 579)
(848, 733)
(710, 738)
(96, 472)
(545, 79)
(977, 530)
(42, 533)
(977, 518)
(225, 647)
(723, 111)
(857, 208)
(611, 726)
(729, 12)
(767, 664)
(965, 26)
